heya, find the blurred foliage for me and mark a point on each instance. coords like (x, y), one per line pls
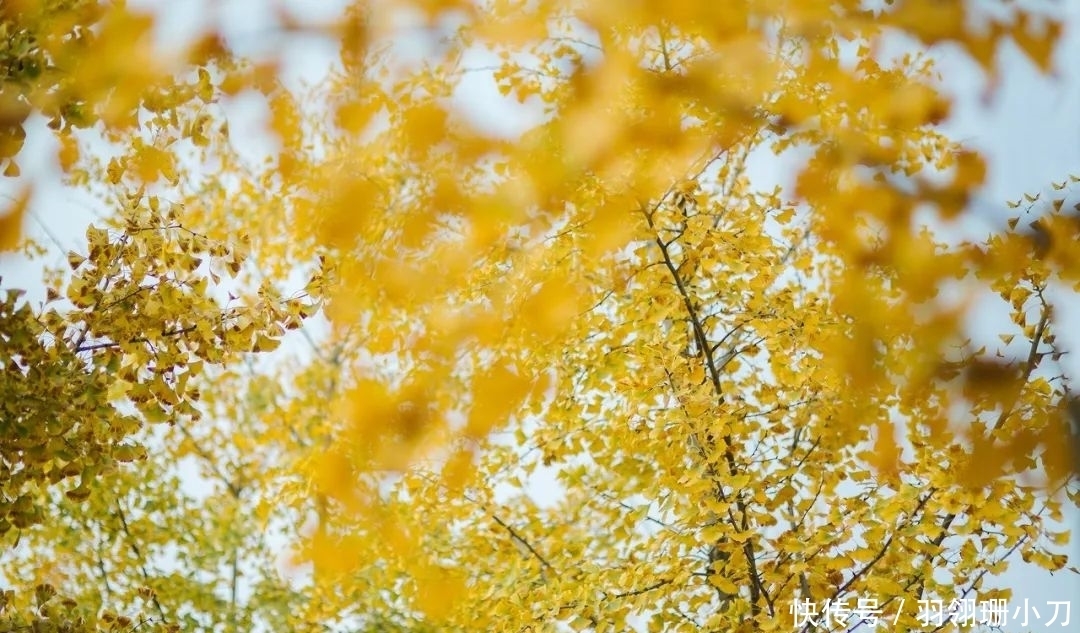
(746, 394)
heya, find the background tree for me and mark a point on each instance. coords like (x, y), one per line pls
(126, 330)
(503, 308)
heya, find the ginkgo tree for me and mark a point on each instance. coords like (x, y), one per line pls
(127, 328)
(750, 400)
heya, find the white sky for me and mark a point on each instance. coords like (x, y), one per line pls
(1030, 133)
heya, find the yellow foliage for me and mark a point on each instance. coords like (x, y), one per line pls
(740, 397)
(12, 220)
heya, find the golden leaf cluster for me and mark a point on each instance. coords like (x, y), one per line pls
(737, 394)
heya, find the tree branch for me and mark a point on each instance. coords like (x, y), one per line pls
(178, 332)
(138, 556)
(520, 539)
